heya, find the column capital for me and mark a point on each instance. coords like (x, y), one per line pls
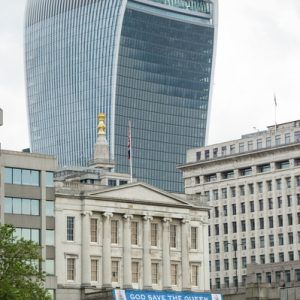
(127, 217)
(86, 213)
(107, 215)
(167, 220)
(147, 218)
(185, 221)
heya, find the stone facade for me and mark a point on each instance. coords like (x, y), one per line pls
(253, 187)
(129, 236)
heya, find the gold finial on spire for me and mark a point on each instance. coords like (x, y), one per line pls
(101, 124)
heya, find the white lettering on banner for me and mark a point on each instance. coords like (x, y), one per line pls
(195, 298)
(137, 297)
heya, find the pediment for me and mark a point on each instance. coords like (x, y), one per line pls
(140, 192)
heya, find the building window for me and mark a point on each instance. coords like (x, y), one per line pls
(28, 234)
(297, 178)
(278, 184)
(71, 269)
(22, 176)
(173, 236)
(50, 267)
(252, 224)
(252, 242)
(272, 258)
(271, 240)
(264, 168)
(154, 273)
(112, 182)
(225, 245)
(288, 182)
(22, 206)
(262, 259)
(94, 230)
(50, 237)
(289, 200)
(242, 190)
(259, 143)
(114, 231)
(290, 219)
(174, 274)
(233, 191)
(261, 204)
(50, 208)
(253, 259)
(251, 206)
(269, 185)
(215, 152)
(250, 145)
(233, 209)
(262, 241)
(270, 202)
(225, 228)
(217, 265)
(225, 210)
(245, 171)
(291, 238)
(226, 282)
(251, 188)
(94, 269)
(135, 272)
(215, 195)
(217, 231)
(244, 262)
(281, 256)
(224, 150)
(70, 228)
(216, 212)
(268, 142)
(234, 263)
(114, 271)
(243, 208)
(261, 223)
(234, 227)
(279, 202)
(194, 237)
(226, 264)
(260, 187)
(206, 154)
(280, 221)
(297, 136)
(243, 226)
(198, 155)
(49, 179)
(224, 193)
(277, 140)
(280, 239)
(154, 234)
(217, 247)
(232, 149)
(195, 275)
(241, 147)
(134, 233)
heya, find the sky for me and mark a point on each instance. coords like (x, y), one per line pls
(258, 55)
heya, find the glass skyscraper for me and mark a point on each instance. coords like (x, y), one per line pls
(148, 61)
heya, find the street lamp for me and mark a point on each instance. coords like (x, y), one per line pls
(235, 245)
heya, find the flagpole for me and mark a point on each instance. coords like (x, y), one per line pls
(275, 107)
(130, 149)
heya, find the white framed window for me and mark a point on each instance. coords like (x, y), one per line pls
(195, 275)
(154, 234)
(194, 237)
(94, 270)
(115, 271)
(154, 273)
(174, 274)
(173, 236)
(94, 230)
(70, 228)
(71, 269)
(114, 231)
(135, 272)
(134, 232)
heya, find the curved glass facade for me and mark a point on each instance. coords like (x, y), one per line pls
(139, 60)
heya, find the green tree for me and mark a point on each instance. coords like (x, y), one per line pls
(20, 276)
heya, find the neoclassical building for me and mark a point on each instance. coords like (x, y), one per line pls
(129, 236)
(120, 233)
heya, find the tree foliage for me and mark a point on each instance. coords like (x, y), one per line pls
(20, 276)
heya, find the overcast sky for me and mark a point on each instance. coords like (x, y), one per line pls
(258, 54)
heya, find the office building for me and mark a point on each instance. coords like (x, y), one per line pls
(148, 61)
(27, 202)
(253, 187)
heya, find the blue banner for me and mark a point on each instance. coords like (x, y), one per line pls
(162, 295)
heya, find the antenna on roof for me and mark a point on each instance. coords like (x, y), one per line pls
(275, 106)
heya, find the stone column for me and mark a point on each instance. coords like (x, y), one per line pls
(85, 249)
(146, 255)
(127, 277)
(106, 252)
(185, 263)
(166, 276)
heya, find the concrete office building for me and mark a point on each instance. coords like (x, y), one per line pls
(127, 236)
(27, 202)
(253, 187)
(148, 61)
